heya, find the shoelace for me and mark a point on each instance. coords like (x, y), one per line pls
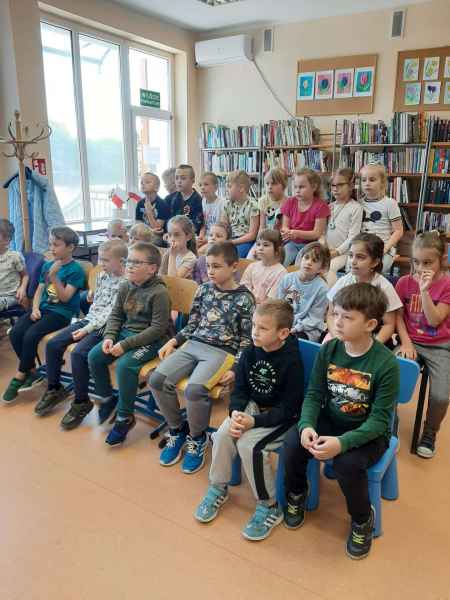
(192, 447)
(293, 509)
(171, 440)
(427, 438)
(358, 538)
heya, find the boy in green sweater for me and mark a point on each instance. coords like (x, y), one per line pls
(347, 412)
(136, 329)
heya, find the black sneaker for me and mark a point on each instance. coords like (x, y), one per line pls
(49, 400)
(75, 415)
(294, 511)
(426, 447)
(106, 409)
(360, 538)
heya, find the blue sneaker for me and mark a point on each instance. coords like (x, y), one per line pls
(264, 519)
(208, 509)
(119, 432)
(173, 449)
(106, 409)
(195, 455)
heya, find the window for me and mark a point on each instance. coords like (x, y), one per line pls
(109, 106)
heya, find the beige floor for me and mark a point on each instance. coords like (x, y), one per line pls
(81, 521)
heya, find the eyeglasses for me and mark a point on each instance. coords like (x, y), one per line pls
(132, 264)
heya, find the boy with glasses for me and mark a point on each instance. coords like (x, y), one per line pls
(136, 329)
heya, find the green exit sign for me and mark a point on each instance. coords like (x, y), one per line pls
(149, 98)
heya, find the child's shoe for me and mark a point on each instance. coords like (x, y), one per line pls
(106, 409)
(31, 380)
(360, 538)
(264, 519)
(195, 454)
(76, 413)
(119, 432)
(427, 444)
(208, 509)
(12, 391)
(173, 449)
(50, 400)
(294, 511)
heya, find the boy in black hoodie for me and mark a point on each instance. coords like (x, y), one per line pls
(265, 401)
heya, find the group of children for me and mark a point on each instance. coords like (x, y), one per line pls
(243, 334)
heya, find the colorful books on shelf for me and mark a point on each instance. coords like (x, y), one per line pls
(220, 136)
(440, 160)
(404, 128)
(290, 160)
(441, 129)
(402, 160)
(298, 132)
(232, 161)
(439, 221)
(399, 189)
(222, 190)
(437, 191)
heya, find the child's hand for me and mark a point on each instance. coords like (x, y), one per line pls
(107, 345)
(246, 421)
(35, 314)
(286, 234)
(227, 378)
(326, 447)
(407, 351)
(79, 334)
(333, 253)
(117, 350)
(167, 349)
(307, 437)
(90, 296)
(54, 268)
(21, 294)
(236, 428)
(425, 281)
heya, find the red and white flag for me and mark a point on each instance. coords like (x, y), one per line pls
(133, 196)
(118, 197)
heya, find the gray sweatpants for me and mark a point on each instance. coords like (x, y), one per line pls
(204, 365)
(437, 360)
(253, 447)
(7, 301)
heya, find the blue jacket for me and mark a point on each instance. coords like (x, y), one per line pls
(45, 212)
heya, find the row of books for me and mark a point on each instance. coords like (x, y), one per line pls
(404, 160)
(404, 128)
(440, 160)
(400, 189)
(441, 129)
(222, 190)
(220, 136)
(439, 221)
(298, 132)
(290, 160)
(437, 191)
(232, 161)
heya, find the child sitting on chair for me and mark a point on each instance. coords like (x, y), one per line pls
(56, 301)
(13, 277)
(141, 232)
(347, 412)
(264, 405)
(219, 328)
(85, 333)
(219, 232)
(136, 329)
(117, 229)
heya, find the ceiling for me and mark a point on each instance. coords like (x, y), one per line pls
(194, 15)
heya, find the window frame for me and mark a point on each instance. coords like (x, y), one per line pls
(129, 112)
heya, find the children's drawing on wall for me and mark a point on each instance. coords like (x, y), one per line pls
(324, 85)
(447, 92)
(432, 92)
(412, 93)
(305, 86)
(411, 69)
(363, 85)
(343, 83)
(447, 67)
(431, 68)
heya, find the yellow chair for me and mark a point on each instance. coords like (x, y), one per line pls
(292, 268)
(242, 265)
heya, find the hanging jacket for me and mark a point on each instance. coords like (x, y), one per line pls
(44, 210)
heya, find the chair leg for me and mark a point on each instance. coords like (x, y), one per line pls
(313, 475)
(389, 483)
(236, 472)
(419, 410)
(375, 499)
(280, 487)
(328, 470)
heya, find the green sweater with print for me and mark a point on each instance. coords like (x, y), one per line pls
(356, 394)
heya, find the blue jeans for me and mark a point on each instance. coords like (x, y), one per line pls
(244, 249)
(291, 249)
(79, 358)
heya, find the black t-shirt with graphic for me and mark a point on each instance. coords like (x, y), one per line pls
(191, 207)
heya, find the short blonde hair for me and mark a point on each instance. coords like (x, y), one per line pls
(380, 170)
(280, 311)
(277, 175)
(188, 168)
(211, 176)
(142, 232)
(314, 180)
(241, 178)
(117, 247)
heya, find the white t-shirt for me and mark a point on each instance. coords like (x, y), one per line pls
(378, 215)
(344, 224)
(212, 212)
(378, 280)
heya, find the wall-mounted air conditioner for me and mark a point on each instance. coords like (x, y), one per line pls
(221, 51)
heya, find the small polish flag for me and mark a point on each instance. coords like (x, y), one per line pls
(118, 197)
(134, 196)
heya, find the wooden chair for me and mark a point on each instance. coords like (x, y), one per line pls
(292, 268)
(242, 265)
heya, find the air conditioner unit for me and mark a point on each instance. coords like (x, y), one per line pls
(221, 51)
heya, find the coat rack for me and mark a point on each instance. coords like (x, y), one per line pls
(19, 141)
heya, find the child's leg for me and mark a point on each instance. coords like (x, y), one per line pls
(127, 374)
(54, 353)
(291, 249)
(388, 259)
(254, 448)
(7, 301)
(223, 454)
(163, 383)
(244, 249)
(80, 367)
(98, 363)
(296, 462)
(212, 364)
(337, 264)
(437, 360)
(351, 472)
(26, 335)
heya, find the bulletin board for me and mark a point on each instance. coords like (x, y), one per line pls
(338, 103)
(421, 84)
